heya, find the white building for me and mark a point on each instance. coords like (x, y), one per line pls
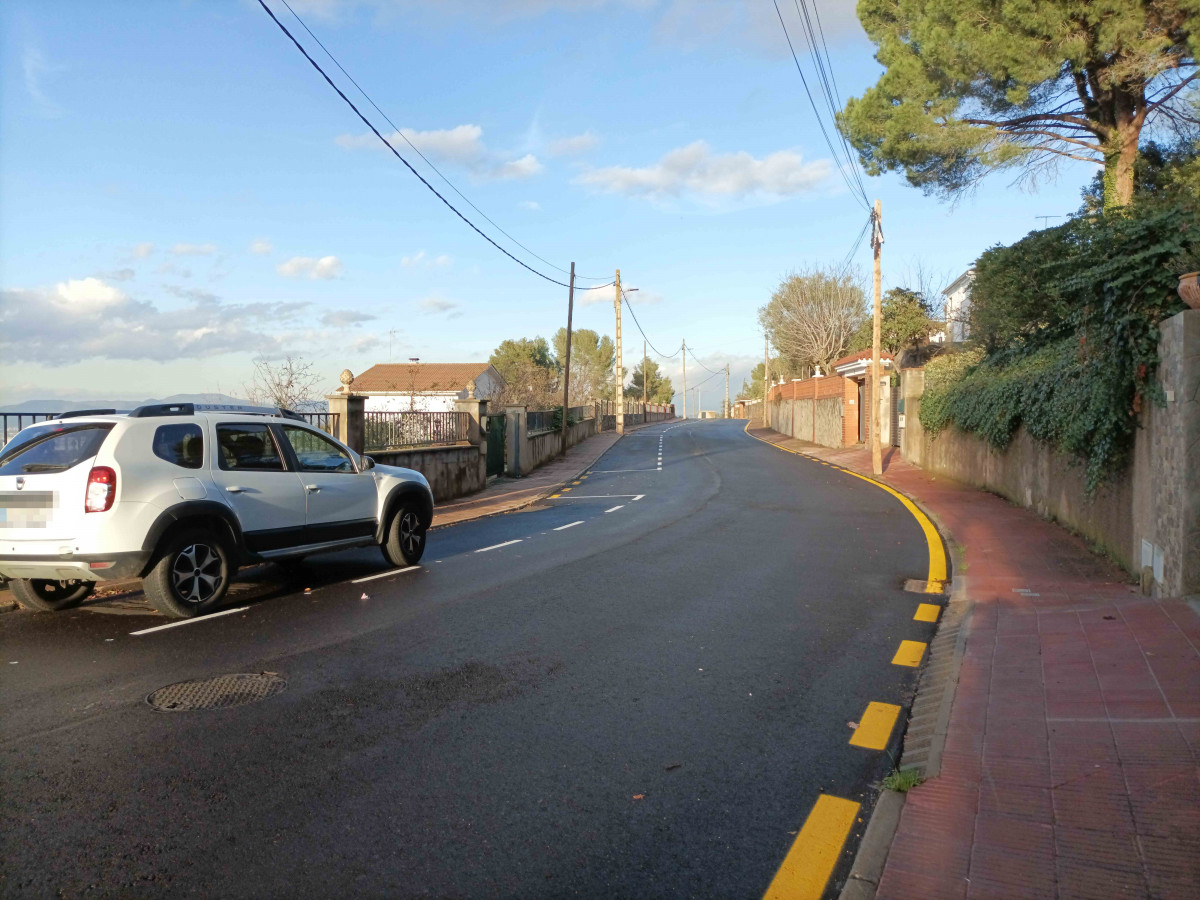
(428, 387)
(958, 307)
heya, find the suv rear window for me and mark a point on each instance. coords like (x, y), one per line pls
(182, 445)
(52, 449)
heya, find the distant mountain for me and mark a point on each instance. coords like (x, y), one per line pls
(58, 404)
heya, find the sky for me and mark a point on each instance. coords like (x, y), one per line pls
(181, 192)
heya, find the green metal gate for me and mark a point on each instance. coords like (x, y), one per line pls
(495, 444)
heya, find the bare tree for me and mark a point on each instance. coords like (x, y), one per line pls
(813, 315)
(289, 382)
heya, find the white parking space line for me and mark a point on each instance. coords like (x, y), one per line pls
(572, 525)
(498, 546)
(225, 612)
(615, 508)
(596, 496)
(637, 497)
(385, 574)
(615, 471)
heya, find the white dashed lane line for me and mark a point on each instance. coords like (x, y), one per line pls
(226, 612)
(498, 546)
(572, 525)
(385, 574)
(615, 508)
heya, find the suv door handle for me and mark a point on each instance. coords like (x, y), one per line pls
(312, 488)
(235, 489)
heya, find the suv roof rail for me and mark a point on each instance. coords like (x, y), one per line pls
(163, 409)
(74, 413)
(291, 414)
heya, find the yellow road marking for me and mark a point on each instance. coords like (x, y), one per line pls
(555, 496)
(927, 612)
(909, 654)
(875, 727)
(576, 482)
(806, 868)
(564, 490)
(583, 476)
(938, 576)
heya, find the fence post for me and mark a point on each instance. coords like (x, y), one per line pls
(349, 409)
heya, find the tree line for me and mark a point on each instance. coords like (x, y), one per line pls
(533, 371)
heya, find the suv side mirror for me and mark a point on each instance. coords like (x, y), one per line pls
(366, 463)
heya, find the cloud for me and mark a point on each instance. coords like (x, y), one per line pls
(94, 320)
(695, 170)
(420, 258)
(121, 275)
(306, 266)
(437, 304)
(262, 247)
(461, 146)
(170, 268)
(142, 250)
(34, 67)
(196, 295)
(574, 146)
(194, 249)
(344, 318)
(530, 204)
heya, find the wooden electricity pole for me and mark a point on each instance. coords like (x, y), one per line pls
(766, 379)
(874, 393)
(644, 364)
(567, 367)
(618, 375)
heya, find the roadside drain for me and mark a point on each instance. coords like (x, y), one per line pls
(219, 692)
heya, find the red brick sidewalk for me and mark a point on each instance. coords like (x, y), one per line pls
(1072, 760)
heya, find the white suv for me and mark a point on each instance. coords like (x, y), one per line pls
(182, 494)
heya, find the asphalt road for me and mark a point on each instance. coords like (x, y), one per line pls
(643, 704)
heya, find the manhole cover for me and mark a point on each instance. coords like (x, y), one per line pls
(219, 692)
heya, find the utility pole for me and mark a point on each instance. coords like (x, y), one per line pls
(644, 375)
(618, 375)
(874, 394)
(683, 350)
(567, 367)
(726, 390)
(766, 379)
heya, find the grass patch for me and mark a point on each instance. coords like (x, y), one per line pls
(903, 780)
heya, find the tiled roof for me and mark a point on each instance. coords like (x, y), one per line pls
(861, 354)
(421, 377)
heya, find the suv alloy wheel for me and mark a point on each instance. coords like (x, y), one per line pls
(405, 542)
(43, 595)
(192, 574)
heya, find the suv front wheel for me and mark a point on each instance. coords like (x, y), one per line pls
(191, 576)
(42, 595)
(405, 541)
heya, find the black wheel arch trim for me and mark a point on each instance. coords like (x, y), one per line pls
(401, 492)
(194, 509)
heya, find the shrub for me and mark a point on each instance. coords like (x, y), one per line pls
(1068, 322)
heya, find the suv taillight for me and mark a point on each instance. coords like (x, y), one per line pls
(101, 489)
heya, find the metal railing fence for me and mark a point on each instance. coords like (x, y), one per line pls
(326, 421)
(539, 421)
(390, 430)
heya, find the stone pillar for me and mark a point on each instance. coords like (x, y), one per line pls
(1171, 550)
(349, 408)
(476, 409)
(516, 452)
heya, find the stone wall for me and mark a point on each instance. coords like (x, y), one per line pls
(814, 410)
(451, 471)
(829, 422)
(1148, 517)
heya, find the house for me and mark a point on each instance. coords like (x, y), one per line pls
(958, 307)
(429, 387)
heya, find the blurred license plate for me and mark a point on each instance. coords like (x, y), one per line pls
(25, 509)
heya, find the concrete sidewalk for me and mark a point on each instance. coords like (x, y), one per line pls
(1071, 766)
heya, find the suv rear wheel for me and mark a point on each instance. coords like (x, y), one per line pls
(43, 595)
(192, 574)
(405, 541)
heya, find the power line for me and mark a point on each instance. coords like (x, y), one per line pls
(856, 189)
(417, 151)
(395, 153)
(696, 360)
(629, 306)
